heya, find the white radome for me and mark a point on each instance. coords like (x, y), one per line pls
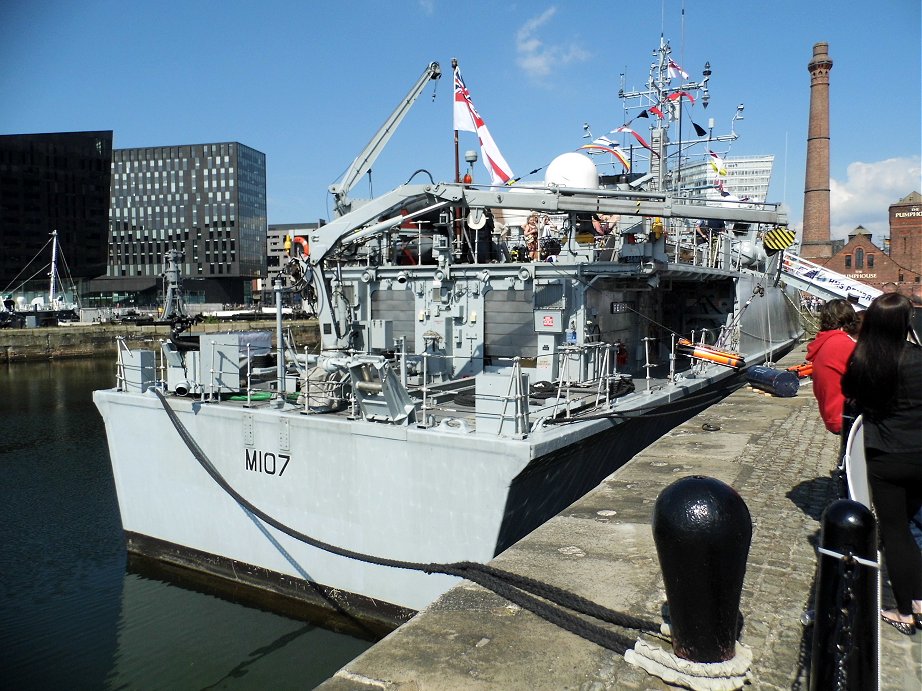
(572, 169)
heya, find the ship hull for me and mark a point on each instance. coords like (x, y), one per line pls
(402, 493)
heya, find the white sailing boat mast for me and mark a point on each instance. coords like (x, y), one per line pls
(52, 301)
(58, 301)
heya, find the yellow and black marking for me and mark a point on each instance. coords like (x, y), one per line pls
(778, 239)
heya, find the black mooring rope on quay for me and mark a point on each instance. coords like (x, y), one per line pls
(516, 588)
(555, 615)
(562, 597)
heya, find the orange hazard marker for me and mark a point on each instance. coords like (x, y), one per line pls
(803, 370)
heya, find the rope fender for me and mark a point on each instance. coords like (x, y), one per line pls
(518, 589)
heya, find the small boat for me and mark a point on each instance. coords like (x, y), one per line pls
(467, 387)
(17, 313)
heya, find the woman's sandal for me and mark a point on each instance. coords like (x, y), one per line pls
(906, 628)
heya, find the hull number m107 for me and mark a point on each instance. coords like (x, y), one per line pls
(266, 462)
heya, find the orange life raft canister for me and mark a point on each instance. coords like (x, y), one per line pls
(711, 354)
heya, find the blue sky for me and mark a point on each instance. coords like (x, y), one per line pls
(308, 83)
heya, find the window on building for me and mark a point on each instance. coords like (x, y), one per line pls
(870, 261)
(848, 261)
(900, 278)
(859, 258)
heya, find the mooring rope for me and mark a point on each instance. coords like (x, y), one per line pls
(518, 589)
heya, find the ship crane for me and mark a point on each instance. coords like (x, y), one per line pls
(366, 158)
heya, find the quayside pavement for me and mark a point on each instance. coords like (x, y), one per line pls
(774, 451)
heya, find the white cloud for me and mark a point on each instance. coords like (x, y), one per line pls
(427, 6)
(864, 198)
(536, 57)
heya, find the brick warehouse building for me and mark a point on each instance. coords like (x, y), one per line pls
(906, 232)
(864, 261)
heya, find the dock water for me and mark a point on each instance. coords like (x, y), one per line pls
(774, 451)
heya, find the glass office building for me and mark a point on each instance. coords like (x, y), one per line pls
(206, 200)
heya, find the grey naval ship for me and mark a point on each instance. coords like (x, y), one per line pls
(488, 354)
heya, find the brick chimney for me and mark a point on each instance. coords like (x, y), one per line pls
(816, 241)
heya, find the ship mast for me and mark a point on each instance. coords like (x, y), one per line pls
(174, 306)
(663, 101)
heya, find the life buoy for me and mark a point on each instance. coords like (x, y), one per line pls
(305, 247)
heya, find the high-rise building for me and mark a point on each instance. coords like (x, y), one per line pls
(747, 178)
(53, 182)
(207, 201)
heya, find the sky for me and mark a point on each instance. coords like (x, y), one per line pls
(309, 82)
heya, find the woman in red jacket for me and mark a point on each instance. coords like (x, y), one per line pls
(829, 352)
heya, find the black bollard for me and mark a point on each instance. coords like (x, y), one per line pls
(845, 621)
(702, 529)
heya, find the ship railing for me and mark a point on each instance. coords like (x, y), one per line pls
(585, 376)
(597, 358)
(249, 378)
(210, 394)
(698, 247)
(123, 351)
(135, 370)
(517, 396)
(291, 353)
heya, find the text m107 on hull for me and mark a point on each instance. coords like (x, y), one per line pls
(266, 462)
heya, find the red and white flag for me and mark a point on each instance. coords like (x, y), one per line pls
(643, 142)
(468, 119)
(677, 95)
(674, 70)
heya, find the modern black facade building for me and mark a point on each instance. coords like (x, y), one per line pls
(206, 200)
(57, 181)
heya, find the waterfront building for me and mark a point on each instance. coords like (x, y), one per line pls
(53, 182)
(862, 260)
(906, 232)
(747, 178)
(207, 201)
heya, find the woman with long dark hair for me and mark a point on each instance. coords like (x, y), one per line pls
(884, 379)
